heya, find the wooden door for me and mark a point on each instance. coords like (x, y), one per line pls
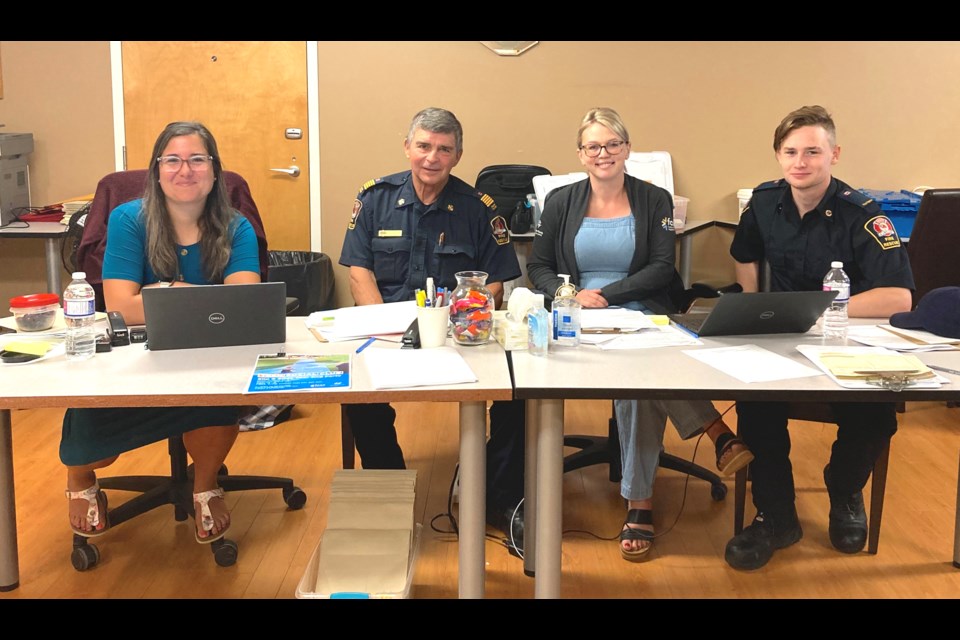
(248, 94)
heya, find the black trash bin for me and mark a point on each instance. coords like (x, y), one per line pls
(309, 278)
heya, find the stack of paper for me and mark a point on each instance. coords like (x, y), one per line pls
(905, 340)
(391, 368)
(366, 547)
(867, 367)
(350, 323)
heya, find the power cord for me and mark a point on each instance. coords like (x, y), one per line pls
(510, 543)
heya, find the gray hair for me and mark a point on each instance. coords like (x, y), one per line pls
(436, 120)
(608, 118)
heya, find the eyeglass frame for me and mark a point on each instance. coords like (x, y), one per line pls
(207, 161)
(601, 147)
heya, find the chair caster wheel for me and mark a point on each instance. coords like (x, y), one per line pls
(225, 552)
(718, 491)
(85, 557)
(295, 498)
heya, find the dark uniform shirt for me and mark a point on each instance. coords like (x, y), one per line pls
(404, 241)
(846, 226)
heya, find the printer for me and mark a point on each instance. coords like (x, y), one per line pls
(15, 149)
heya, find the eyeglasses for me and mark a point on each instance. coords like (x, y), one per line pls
(593, 149)
(172, 164)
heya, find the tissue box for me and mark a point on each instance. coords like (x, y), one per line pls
(511, 335)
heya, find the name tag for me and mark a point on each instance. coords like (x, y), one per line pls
(390, 233)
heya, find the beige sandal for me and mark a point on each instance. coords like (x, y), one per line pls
(206, 517)
(97, 515)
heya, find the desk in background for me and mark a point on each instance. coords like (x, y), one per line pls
(130, 376)
(588, 373)
(51, 232)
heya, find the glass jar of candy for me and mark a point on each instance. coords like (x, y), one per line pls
(471, 308)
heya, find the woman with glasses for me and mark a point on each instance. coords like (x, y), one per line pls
(614, 235)
(183, 232)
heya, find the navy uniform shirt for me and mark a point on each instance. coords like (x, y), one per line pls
(846, 226)
(404, 241)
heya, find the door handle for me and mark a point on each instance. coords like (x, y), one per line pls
(293, 171)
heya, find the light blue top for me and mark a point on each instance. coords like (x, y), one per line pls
(125, 257)
(604, 248)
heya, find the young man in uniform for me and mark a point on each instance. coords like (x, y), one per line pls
(799, 224)
(423, 223)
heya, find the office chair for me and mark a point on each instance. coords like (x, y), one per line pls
(177, 488)
(821, 412)
(606, 449)
(935, 237)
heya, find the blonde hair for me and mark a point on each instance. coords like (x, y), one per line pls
(608, 118)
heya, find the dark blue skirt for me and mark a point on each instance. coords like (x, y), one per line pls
(90, 435)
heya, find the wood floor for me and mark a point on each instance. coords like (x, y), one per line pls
(156, 557)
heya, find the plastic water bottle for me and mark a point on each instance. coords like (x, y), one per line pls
(537, 333)
(566, 315)
(835, 321)
(78, 314)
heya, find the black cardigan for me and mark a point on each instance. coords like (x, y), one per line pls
(652, 266)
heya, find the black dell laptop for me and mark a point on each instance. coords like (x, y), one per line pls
(737, 314)
(215, 315)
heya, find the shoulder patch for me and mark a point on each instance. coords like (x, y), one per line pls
(883, 231)
(667, 224)
(487, 200)
(499, 226)
(369, 183)
(357, 205)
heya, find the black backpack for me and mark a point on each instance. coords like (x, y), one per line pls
(508, 185)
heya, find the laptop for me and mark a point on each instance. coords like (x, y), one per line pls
(215, 315)
(738, 314)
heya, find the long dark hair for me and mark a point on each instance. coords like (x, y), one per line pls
(214, 223)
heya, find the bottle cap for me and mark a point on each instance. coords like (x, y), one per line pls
(79, 275)
(836, 264)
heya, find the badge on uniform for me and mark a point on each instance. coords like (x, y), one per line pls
(488, 201)
(390, 233)
(667, 223)
(500, 232)
(357, 205)
(883, 231)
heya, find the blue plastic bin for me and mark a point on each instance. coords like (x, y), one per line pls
(900, 206)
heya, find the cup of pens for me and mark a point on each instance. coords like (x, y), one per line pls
(433, 316)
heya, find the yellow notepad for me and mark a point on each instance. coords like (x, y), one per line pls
(855, 366)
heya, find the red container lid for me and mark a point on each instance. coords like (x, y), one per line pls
(34, 300)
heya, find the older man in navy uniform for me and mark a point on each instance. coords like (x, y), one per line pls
(424, 223)
(799, 224)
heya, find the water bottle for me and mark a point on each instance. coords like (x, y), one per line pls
(78, 314)
(566, 315)
(537, 333)
(835, 320)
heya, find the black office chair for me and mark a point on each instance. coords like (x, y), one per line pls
(606, 449)
(177, 488)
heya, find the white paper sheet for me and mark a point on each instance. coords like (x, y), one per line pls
(650, 339)
(350, 323)
(615, 318)
(922, 336)
(750, 363)
(877, 336)
(391, 368)
(812, 353)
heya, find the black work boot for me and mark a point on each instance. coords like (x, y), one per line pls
(509, 520)
(754, 546)
(848, 519)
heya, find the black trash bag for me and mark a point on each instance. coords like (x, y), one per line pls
(309, 278)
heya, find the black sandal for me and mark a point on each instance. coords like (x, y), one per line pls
(636, 516)
(736, 461)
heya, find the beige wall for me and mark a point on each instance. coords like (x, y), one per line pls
(712, 105)
(59, 92)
